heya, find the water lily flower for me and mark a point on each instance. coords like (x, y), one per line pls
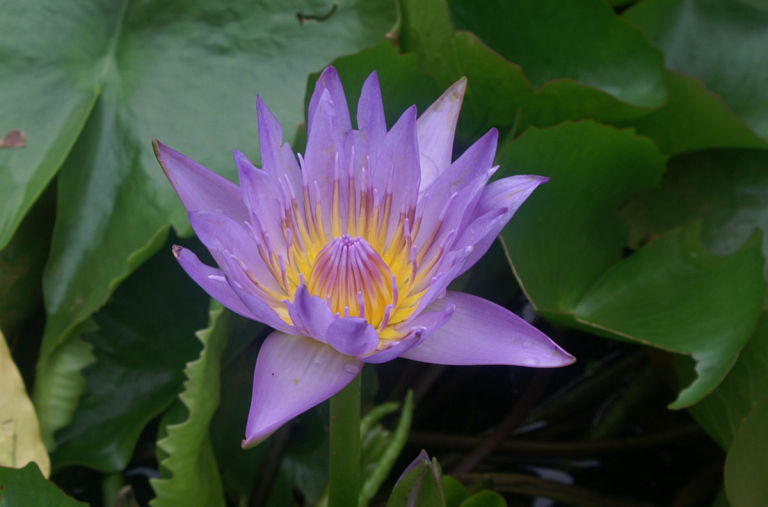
(347, 251)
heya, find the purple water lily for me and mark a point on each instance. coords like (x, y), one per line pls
(347, 251)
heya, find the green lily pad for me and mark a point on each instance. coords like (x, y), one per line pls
(747, 464)
(603, 70)
(47, 90)
(727, 190)
(675, 295)
(580, 41)
(694, 118)
(722, 43)
(566, 247)
(567, 234)
(721, 413)
(145, 337)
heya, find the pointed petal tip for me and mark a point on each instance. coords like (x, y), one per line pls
(329, 72)
(253, 441)
(455, 92)
(293, 374)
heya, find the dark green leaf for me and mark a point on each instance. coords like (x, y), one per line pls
(565, 245)
(747, 464)
(21, 267)
(145, 337)
(240, 469)
(675, 295)
(727, 190)
(455, 492)
(722, 43)
(27, 487)
(581, 41)
(721, 413)
(567, 234)
(694, 118)
(192, 474)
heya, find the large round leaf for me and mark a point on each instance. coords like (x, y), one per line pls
(566, 246)
(747, 383)
(727, 191)
(581, 41)
(53, 64)
(567, 234)
(721, 42)
(695, 118)
(675, 295)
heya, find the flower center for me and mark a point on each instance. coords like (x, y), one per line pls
(354, 279)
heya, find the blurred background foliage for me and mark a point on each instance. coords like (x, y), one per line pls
(650, 117)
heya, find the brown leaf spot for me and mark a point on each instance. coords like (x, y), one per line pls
(13, 139)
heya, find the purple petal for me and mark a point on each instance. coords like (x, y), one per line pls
(481, 332)
(436, 128)
(432, 318)
(277, 158)
(248, 294)
(310, 314)
(450, 267)
(220, 233)
(498, 202)
(199, 188)
(396, 349)
(370, 111)
(292, 375)
(455, 192)
(264, 200)
(352, 336)
(329, 80)
(322, 160)
(396, 168)
(212, 280)
(416, 330)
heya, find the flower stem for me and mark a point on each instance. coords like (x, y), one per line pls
(344, 487)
